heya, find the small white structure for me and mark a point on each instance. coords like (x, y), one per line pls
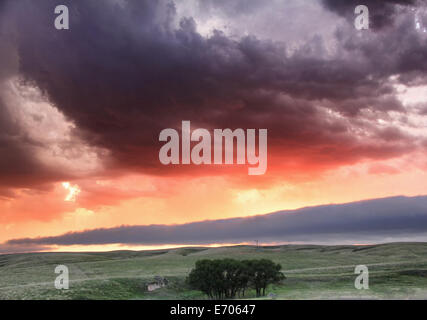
(153, 286)
(159, 282)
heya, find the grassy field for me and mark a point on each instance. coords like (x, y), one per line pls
(397, 271)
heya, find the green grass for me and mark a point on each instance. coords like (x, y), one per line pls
(397, 271)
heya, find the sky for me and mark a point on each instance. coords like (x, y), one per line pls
(81, 111)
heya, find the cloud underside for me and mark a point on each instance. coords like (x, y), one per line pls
(388, 219)
(128, 69)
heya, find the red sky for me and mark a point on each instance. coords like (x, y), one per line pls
(80, 112)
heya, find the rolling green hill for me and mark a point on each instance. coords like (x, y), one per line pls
(397, 271)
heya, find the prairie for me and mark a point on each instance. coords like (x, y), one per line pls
(396, 271)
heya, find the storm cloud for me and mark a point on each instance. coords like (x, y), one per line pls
(392, 219)
(128, 69)
(382, 12)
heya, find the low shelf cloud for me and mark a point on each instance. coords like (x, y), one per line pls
(397, 218)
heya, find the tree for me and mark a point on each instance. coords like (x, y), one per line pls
(200, 277)
(264, 272)
(225, 278)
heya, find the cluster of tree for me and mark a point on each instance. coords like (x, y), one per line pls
(226, 278)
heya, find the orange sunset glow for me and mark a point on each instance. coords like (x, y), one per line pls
(81, 113)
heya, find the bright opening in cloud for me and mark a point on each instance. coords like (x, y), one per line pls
(73, 191)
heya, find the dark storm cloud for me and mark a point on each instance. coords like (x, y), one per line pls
(124, 72)
(359, 221)
(382, 12)
(14, 157)
(231, 8)
(18, 167)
